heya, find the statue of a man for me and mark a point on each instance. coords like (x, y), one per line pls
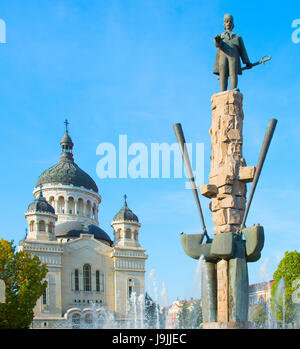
(230, 48)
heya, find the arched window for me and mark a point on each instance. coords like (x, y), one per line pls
(118, 235)
(61, 204)
(133, 288)
(50, 227)
(128, 234)
(31, 226)
(52, 201)
(87, 277)
(130, 288)
(94, 212)
(42, 226)
(80, 207)
(88, 209)
(97, 280)
(76, 280)
(71, 205)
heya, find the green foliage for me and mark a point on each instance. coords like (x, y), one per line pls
(155, 315)
(196, 318)
(190, 315)
(183, 315)
(23, 276)
(150, 311)
(283, 307)
(258, 315)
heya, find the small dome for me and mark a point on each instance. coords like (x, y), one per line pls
(69, 230)
(40, 204)
(125, 214)
(66, 140)
(99, 233)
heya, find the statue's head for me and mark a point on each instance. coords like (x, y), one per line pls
(228, 22)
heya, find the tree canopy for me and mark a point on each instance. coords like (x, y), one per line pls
(283, 305)
(24, 276)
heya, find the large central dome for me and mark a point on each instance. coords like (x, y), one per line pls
(66, 171)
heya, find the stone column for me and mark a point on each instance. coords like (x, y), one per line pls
(228, 205)
(67, 205)
(227, 189)
(222, 290)
(76, 206)
(84, 203)
(208, 291)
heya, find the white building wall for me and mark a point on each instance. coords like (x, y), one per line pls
(85, 250)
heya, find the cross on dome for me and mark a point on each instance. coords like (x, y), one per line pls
(66, 123)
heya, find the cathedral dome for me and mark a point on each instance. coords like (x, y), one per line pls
(125, 214)
(40, 204)
(74, 229)
(66, 171)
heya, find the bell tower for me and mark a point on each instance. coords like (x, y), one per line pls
(41, 219)
(126, 227)
(129, 260)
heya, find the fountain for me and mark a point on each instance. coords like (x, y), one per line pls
(280, 302)
(145, 313)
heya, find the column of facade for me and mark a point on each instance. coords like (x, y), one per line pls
(76, 207)
(66, 205)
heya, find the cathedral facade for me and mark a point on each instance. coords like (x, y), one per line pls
(89, 275)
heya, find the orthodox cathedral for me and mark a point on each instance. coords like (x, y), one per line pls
(88, 272)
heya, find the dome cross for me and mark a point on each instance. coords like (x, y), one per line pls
(66, 123)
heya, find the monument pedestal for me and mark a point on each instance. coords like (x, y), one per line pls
(227, 190)
(226, 325)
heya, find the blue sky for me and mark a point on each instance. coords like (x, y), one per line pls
(136, 67)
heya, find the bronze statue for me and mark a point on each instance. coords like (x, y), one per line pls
(230, 48)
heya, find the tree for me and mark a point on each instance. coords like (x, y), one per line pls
(183, 316)
(190, 314)
(258, 314)
(23, 276)
(283, 306)
(155, 315)
(196, 317)
(150, 311)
